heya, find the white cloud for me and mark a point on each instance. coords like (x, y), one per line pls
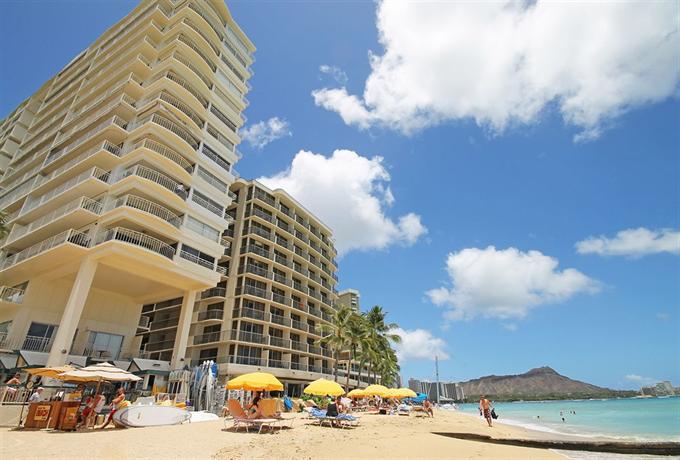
(419, 344)
(349, 193)
(640, 380)
(634, 242)
(337, 73)
(262, 133)
(505, 284)
(504, 63)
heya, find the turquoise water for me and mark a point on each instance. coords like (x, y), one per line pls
(648, 418)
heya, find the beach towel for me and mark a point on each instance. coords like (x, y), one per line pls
(287, 403)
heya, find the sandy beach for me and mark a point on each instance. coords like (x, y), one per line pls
(377, 436)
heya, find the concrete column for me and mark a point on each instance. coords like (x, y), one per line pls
(71, 317)
(182, 336)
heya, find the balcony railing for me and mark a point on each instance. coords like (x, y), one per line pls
(95, 173)
(55, 155)
(197, 260)
(210, 337)
(145, 241)
(214, 292)
(164, 151)
(176, 103)
(157, 346)
(12, 294)
(205, 204)
(210, 314)
(251, 337)
(69, 236)
(278, 319)
(216, 158)
(147, 206)
(170, 126)
(155, 176)
(171, 322)
(85, 203)
(245, 312)
(106, 145)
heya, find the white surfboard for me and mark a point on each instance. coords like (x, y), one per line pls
(202, 416)
(139, 416)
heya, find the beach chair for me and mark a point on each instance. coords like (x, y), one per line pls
(268, 408)
(240, 419)
(341, 420)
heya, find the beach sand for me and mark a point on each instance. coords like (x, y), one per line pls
(377, 436)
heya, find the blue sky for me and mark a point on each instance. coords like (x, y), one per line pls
(470, 172)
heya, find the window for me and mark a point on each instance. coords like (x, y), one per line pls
(4, 329)
(39, 337)
(208, 354)
(201, 228)
(104, 345)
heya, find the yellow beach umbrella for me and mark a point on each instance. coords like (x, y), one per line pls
(323, 387)
(400, 393)
(375, 390)
(357, 393)
(407, 393)
(255, 381)
(50, 372)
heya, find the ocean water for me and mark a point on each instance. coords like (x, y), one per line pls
(651, 419)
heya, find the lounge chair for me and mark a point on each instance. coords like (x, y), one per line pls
(341, 420)
(268, 410)
(241, 419)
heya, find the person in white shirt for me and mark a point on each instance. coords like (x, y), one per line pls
(36, 396)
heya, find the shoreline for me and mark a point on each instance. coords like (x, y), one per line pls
(543, 432)
(376, 437)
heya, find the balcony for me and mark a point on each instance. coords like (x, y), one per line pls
(209, 315)
(168, 323)
(171, 126)
(210, 265)
(279, 342)
(85, 203)
(214, 292)
(245, 312)
(147, 206)
(261, 214)
(142, 240)
(250, 337)
(80, 160)
(278, 319)
(158, 346)
(69, 236)
(94, 173)
(210, 337)
(207, 205)
(157, 177)
(299, 346)
(164, 151)
(11, 294)
(171, 100)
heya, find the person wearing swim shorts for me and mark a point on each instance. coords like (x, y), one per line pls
(485, 407)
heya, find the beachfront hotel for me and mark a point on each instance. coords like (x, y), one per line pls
(115, 185)
(266, 313)
(349, 298)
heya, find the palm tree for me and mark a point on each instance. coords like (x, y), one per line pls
(357, 333)
(380, 337)
(336, 335)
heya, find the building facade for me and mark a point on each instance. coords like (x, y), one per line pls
(448, 391)
(269, 311)
(350, 298)
(116, 177)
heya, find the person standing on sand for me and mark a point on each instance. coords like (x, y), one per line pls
(485, 407)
